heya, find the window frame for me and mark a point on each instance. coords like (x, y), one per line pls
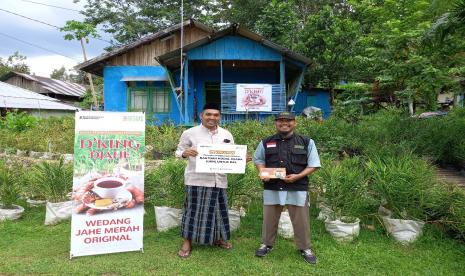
(150, 90)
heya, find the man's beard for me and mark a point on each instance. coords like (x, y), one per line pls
(284, 133)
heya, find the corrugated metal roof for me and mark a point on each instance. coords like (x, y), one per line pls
(53, 85)
(16, 97)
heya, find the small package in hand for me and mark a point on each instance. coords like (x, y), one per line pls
(273, 173)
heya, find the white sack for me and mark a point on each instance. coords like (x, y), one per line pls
(341, 231)
(56, 212)
(325, 211)
(285, 228)
(11, 214)
(404, 231)
(35, 203)
(68, 158)
(167, 218)
(234, 219)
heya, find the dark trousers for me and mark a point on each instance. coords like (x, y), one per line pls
(300, 222)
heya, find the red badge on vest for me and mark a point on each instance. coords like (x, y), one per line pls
(271, 145)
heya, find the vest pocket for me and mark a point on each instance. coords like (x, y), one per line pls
(271, 155)
(299, 156)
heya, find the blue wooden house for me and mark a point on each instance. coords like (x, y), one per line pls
(172, 83)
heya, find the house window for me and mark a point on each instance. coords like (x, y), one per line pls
(149, 99)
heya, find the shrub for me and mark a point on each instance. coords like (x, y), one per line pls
(54, 133)
(164, 139)
(402, 184)
(251, 132)
(9, 188)
(53, 180)
(243, 188)
(344, 186)
(164, 186)
(18, 121)
(455, 218)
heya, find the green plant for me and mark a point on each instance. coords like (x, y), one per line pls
(164, 186)
(344, 186)
(243, 188)
(9, 188)
(402, 184)
(18, 121)
(164, 139)
(53, 179)
(455, 218)
(251, 132)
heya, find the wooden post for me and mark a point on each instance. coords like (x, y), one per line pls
(92, 89)
(221, 82)
(282, 80)
(298, 87)
(186, 90)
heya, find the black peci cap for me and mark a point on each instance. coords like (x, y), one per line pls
(212, 106)
(285, 115)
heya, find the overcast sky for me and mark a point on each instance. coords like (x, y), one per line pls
(41, 61)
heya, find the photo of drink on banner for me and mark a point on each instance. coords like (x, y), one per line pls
(107, 192)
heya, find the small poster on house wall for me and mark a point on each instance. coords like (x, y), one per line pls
(108, 183)
(253, 97)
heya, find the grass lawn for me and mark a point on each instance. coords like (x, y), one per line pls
(29, 247)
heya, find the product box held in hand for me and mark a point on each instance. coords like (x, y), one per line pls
(273, 173)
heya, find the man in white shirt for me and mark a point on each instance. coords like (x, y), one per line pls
(205, 216)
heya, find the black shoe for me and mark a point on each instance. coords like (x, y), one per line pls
(308, 255)
(263, 250)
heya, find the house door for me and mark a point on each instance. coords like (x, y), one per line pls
(213, 92)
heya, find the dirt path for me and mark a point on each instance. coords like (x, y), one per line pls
(451, 175)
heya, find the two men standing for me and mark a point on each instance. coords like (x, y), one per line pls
(205, 216)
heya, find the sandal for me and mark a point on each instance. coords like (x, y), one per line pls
(224, 245)
(184, 254)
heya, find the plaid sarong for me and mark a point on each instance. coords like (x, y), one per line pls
(205, 215)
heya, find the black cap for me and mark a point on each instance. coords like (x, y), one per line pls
(211, 106)
(285, 115)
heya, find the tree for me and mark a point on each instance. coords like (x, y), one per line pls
(60, 74)
(329, 39)
(450, 22)
(129, 20)
(398, 53)
(279, 23)
(81, 31)
(15, 62)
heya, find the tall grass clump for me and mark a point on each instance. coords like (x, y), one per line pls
(9, 187)
(403, 184)
(251, 132)
(243, 188)
(455, 217)
(345, 188)
(53, 180)
(164, 185)
(164, 139)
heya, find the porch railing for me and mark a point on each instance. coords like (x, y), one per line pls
(228, 104)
